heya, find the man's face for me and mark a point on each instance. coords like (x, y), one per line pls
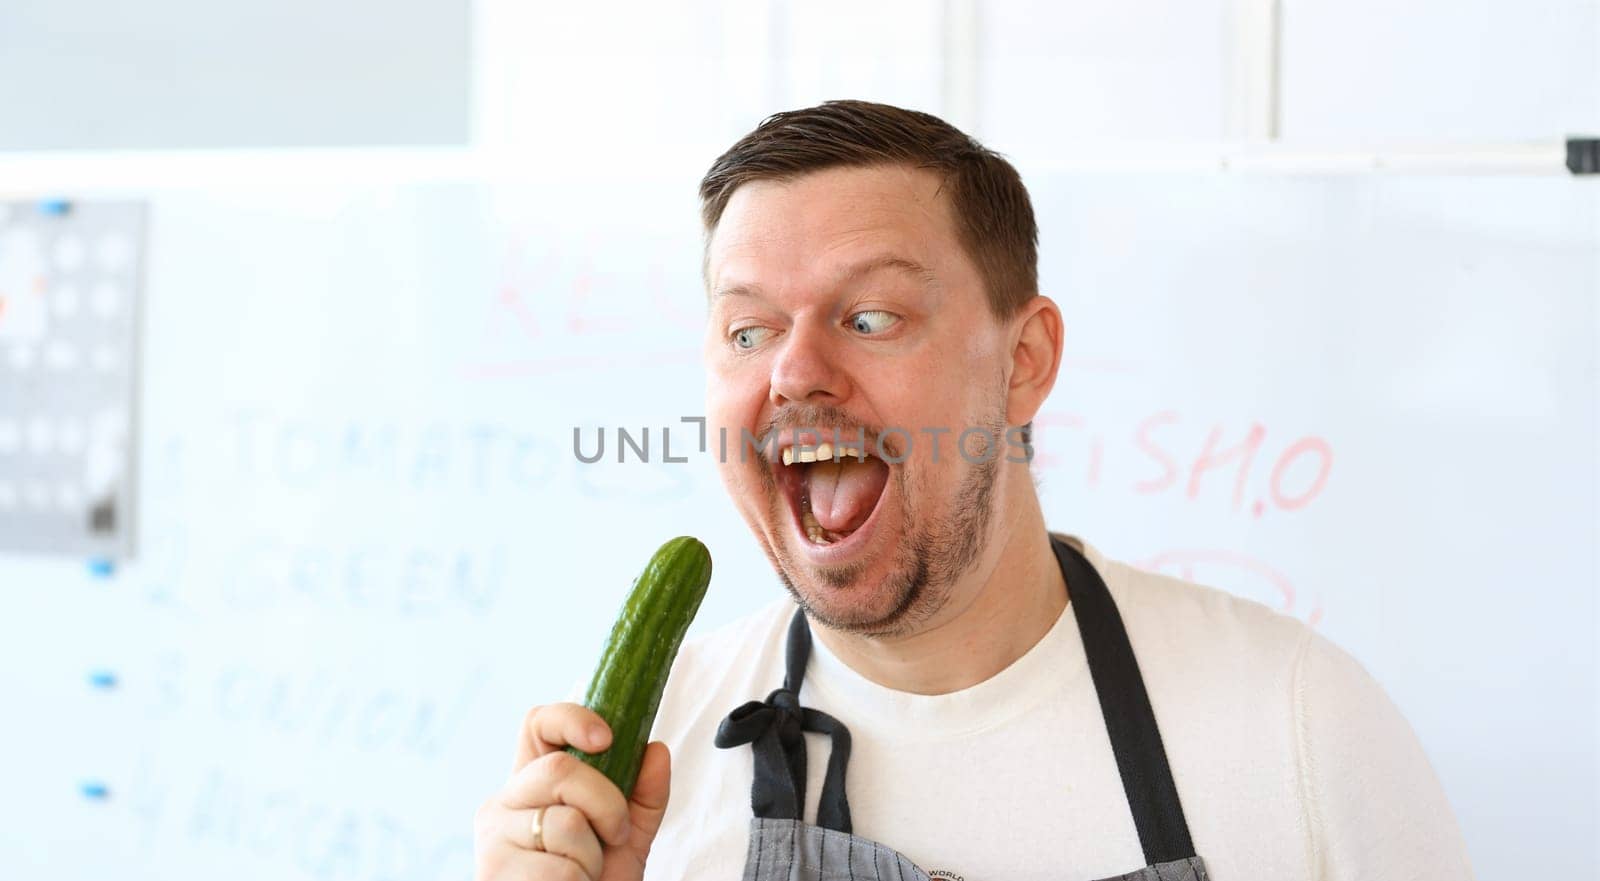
(842, 301)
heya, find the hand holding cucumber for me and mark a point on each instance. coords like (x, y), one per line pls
(596, 800)
(590, 830)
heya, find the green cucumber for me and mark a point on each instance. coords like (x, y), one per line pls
(632, 673)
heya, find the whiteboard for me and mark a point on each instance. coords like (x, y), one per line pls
(367, 546)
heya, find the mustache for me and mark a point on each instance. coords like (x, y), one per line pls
(831, 424)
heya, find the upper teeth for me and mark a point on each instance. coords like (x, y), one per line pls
(820, 453)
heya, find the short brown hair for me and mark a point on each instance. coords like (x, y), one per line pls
(994, 216)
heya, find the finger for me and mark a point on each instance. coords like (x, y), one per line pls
(551, 727)
(645, 809)
(563, 830)
(651, 790)
(529, 864)
(560, 778)
(503, 853)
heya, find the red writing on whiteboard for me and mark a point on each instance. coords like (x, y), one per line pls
(553, 300)
(1164, 453)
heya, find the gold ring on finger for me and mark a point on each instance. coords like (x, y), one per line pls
(536, 828)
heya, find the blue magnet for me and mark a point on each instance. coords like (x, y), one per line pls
(94, 789)
(102, 679)
(55, 207)
(102, 567)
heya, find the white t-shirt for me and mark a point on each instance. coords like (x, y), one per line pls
(1290, 761)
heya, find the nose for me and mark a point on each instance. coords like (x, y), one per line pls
(804, 371)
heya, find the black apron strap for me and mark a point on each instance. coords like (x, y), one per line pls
(1130, 722)
(775, 728)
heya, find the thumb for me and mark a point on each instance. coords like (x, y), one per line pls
(650, 793)
(645, 809)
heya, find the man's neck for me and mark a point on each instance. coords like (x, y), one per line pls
(994, 616)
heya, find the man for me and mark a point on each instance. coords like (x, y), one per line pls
(985, 700)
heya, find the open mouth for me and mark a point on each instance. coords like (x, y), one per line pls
(833, 488)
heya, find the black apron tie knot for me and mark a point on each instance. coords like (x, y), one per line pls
(775, 729)
(784, 847)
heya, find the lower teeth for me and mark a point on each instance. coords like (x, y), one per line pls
(814, 530)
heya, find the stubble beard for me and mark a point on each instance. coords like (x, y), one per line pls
(930, 558)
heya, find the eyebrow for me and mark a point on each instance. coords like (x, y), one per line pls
(849, 274)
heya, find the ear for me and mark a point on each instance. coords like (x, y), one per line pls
(1035, 358)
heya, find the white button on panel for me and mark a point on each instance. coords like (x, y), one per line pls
(113, 251)
(66, 298)
(108, 426)
(104, 358)
(106, 299)
(61, 355)
(69, 252)
(10, 436)
(102, 465)
(41, 435)
(37, 494)
(69, 496)
(21, 357)
(8, 496)
(70, 438)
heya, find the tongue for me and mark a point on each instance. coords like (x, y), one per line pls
(843, 493)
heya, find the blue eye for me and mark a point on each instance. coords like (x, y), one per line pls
(750, 337)
(873, 321)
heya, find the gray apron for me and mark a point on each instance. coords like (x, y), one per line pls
(785, 848)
